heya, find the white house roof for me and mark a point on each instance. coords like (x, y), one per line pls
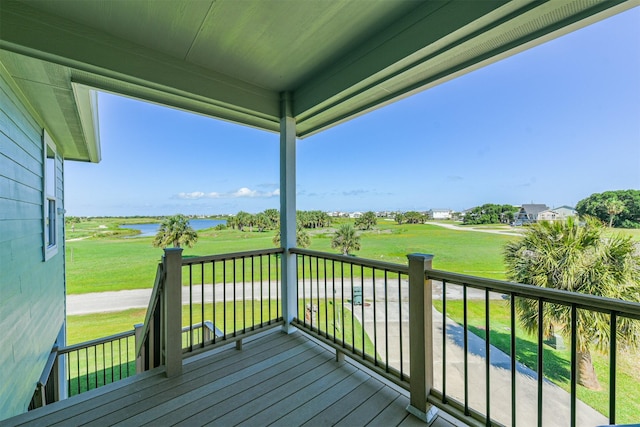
(237, 60)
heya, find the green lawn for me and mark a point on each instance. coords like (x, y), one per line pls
(556, 363)
(116, 263)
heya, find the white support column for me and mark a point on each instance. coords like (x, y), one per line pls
(420, 337)
(172, 316)
(288, 210)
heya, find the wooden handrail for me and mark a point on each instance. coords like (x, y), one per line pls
(591, 302)
(381, 265)
(153, 302)
(47, 367)
(98, 341)
(233, 255)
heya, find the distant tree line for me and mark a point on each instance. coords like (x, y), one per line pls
(491, 214)
(410, 217)
(270, 220)
(619, 208)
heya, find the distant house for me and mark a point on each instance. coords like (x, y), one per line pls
(557, 214)
(355, 214)
(529, 213)
(439, 213)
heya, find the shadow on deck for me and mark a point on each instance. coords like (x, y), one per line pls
(276, 379)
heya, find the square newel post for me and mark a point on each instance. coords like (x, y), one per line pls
(420, 337)
(138, 328)
(289, 282)
(172, 315)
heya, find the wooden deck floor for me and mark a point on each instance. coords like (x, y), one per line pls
(276, 379)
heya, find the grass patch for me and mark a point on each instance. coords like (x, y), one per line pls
(556, 363)
(96, 264)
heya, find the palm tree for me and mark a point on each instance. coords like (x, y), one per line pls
(302, 238)
(175, 230)
(367, 221)
(574, 257)
(614, 207)
(346, 239)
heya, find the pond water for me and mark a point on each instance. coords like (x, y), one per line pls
(147, 230)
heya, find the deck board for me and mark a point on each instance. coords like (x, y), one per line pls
(276, 379)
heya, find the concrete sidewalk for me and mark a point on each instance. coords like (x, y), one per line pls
(556, 401)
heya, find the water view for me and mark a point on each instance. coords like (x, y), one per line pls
(147, 230)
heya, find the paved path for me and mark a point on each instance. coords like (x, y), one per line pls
(139, 298)
(556, 401)
(479, 230)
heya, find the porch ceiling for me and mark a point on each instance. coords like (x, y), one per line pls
(233, 59)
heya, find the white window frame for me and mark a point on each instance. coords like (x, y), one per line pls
(50, 205)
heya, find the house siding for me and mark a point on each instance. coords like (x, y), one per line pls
(32, 291)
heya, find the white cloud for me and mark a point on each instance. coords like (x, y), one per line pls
(243, 192)
(193, 195)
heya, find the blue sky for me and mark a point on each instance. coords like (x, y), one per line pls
(550, 125)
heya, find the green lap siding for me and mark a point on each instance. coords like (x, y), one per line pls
(32, 291)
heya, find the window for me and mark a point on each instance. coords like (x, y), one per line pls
(50, 202)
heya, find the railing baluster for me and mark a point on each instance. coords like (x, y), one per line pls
(202, 303)
(375, 320)
(126, 341)
(540, 353)
(512, 320)
(261, 289)
(112, 367)
(574, 362)
(362, 307)
(269, 280)
(304, 295)
(213, 299)
(342, 299)
(317, 295)
(104, 371)
(326, 305)
(333, 289)
(466, 350)
(612, 366)
(191, 307)
(224, 298)
(353, 309)
(244, 298)
(386, 320)
(235, 299)
(278, 295)
(444, 341)
(253, 294)
(86, 356)
(310, 291)
(487, 343)
(400, 327)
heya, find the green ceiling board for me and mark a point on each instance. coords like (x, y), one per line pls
(29, 31)
(232, 59)
(168, 26)
(277, 45)
(385, 52)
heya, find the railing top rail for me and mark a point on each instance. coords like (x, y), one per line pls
(47, 368)
(95, 342)
(626, 308)
(153, 301)
(233, 255)
(380, 265)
